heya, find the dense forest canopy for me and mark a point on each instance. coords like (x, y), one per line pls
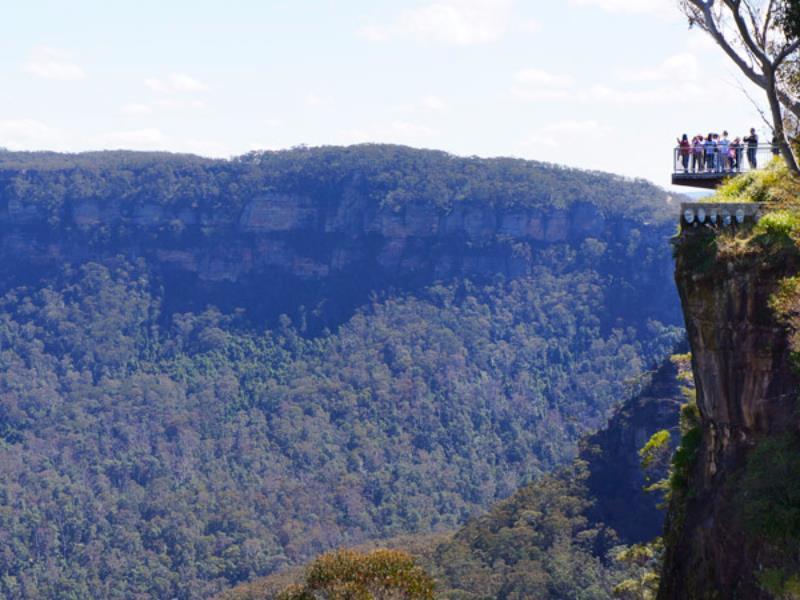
(154, 449)
(391, 175)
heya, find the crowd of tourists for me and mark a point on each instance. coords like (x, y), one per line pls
(717, 153)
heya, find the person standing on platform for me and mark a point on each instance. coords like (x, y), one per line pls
(723, 145)
(684, 151)
(752, 148)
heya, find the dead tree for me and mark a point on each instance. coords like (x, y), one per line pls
(750, 33)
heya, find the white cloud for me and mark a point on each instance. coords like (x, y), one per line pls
(434, 103)
(136, 109)
(585, 128)
(273, 122)
(29, 134)
(411, 130)
(177, 104)
(679, 67)
(545, 95)
(457, 22)
(50, 63)
(530, 26)
(354, 136)
(313, 99)
(539, 140)
(402, 132)
(659, 95)
(175, 83)
(138, 139)
(538, 85)
(539, 77)
(666, 8)
(562, 133)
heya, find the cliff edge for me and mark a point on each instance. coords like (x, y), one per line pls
(731, 524)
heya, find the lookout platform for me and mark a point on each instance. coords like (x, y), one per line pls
(699, 173)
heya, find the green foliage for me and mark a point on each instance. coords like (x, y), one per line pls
(684, 459)
(537, 544)
(655, 459)
(777, 583)
(644, 562)
(352, 575)
(652, 452)
(177, 458)
(773, 183)
(149, 451)
(768, 491)
(387, 175)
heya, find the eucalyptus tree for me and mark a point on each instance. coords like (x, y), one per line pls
(761, 38)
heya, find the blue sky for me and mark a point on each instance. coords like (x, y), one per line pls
(600, 84)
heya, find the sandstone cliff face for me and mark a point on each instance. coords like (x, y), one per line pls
(281, 240)
(746, 391)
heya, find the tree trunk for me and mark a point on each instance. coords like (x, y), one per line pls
(777, 122)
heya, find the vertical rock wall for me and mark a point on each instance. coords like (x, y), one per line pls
(746, 391)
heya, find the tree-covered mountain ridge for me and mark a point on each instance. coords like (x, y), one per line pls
(167, 434)
(349, 219)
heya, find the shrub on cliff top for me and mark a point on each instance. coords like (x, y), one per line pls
(773, 184)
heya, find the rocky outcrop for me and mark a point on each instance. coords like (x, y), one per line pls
(289, 240)
(746, 393)
(616, 481)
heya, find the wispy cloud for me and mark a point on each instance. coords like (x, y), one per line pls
(136, 109)
(538, 85)
(315, 100)
(665, 8)
(530, 26)
(136, 139)
(29, 134)
(54, 64)
(399, 131)
(542, 78)
(175, 83)
(434, 103)
(457, 22)
(564, 133)
(679, 67)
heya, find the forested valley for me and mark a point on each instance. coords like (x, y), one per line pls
(171, 426)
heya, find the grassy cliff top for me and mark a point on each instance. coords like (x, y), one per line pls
(775, 235)
(772, 184)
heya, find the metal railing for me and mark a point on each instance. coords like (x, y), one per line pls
(714, 163)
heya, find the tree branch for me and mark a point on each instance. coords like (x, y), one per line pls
(744, 32)
(708, 21)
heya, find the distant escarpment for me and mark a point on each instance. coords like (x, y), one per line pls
(733, 523)
(323, 228)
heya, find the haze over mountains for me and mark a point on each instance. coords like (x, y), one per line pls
(213, 369)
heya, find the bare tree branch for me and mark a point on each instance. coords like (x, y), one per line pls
(742, 28)
(709, 24)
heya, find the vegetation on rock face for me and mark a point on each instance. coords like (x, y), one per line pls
(746, 486)
(777, 231)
